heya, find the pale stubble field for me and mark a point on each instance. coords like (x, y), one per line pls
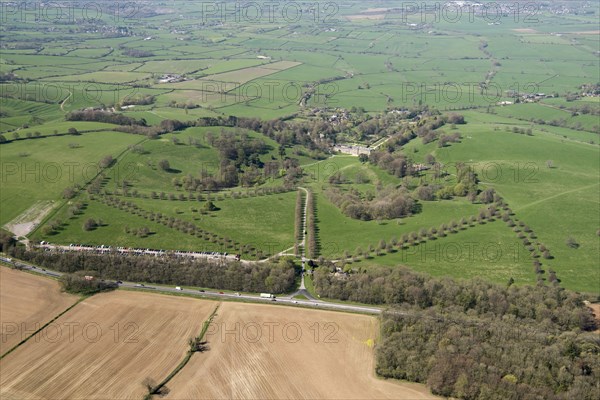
(104, 348)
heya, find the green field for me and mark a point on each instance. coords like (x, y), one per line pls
(540, 154)
(40, 169)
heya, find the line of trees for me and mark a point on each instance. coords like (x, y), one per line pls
(311, 236)
(174, 223)
(298, 222)
(78, 283)
(415, 238)
(272, 277)
(183, 226)
(536, 249)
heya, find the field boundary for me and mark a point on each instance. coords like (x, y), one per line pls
(43, 327)
(198, 339)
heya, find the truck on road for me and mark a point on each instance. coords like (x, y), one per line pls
(267, 296)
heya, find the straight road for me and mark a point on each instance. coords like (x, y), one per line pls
(287, 300)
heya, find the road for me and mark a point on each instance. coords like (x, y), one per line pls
(62, 105)
(286, 300)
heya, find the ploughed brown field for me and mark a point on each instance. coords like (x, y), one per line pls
(109, 344)
(104, 348)
(275, 352)
(27, 302)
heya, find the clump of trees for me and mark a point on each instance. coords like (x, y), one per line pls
(90, 224)
(451, 138)
(51, 227)
(164, 165)
(240, 149)
(466, 185)
(103, 116)
(388, 203)
(396, 164)
(572, 243)
(141, 100)
(141, 232)
(136, 53)
(70, 192)
(7, 240)
(106, 161)
(85, 283)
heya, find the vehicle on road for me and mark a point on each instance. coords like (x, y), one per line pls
(267, 296)
(178, 288)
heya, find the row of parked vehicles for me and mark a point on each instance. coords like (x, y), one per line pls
(137, 251)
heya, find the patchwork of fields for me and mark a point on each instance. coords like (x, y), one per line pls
(434, 164)
(349, 57)
(127, 339)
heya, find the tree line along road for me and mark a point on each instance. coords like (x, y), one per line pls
(286, 300)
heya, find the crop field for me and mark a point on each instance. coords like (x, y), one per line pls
(274, 352)
(137, 334)
(27, 302)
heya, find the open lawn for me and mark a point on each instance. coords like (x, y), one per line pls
(266, 222)
(550, 183)
(113, 231)
(491, 250)
(40, 169)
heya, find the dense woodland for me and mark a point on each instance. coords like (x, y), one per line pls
(256, 277)
(476, 340)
